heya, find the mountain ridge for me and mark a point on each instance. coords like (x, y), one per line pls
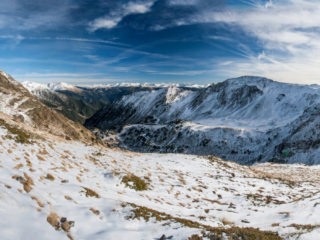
(246, 119)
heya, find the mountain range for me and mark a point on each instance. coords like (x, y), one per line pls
(59, 181)
(246, 119)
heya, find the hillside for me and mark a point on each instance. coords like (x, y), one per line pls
(112, 194)
(56, 189)
(18, 105)
(246, 119)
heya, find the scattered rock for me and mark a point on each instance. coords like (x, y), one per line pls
(60, 223)
(163, 237)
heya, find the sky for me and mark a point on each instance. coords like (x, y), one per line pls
(160, 41)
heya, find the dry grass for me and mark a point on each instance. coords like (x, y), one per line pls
(40, 204)
(43, 152)
(28, 162)
(18, 166)
(195, 237)
(147, 214)
(307, 227)
(20, 135)
(214, 201)
(94, 211)
(68, 197)
(90, 193)
(54, 220)
(40, 158)
(134, 182)
(26, 181)
(50, 177)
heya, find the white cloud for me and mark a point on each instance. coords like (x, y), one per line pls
(288, 31)
(104, 23)
(269, 4)
(112, 20)
(137, 7)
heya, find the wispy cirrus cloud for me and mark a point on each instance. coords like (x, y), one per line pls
(27, 15)
(289, 33)
(112, 19)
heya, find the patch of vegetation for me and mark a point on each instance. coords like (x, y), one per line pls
(94, 211)
(307, 227)
(20, 135)
(258, 199)
(195, 237)
(139, 212)
(26, 181)
(90, 193)
(50, 177)
(134, 182)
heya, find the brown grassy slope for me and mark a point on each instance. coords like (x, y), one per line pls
(42, 118)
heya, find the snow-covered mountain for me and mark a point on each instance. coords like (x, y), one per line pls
(246, 119)
(60, 86)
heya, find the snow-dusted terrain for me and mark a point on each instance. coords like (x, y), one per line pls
(206, 191)
(246, 119)
(55, 188)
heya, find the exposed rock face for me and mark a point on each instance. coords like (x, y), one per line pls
(19, 103)
(247, 119)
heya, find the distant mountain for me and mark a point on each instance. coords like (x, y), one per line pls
(246, 119)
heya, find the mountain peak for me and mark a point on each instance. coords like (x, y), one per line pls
(60, 86)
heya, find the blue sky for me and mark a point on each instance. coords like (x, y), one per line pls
(180, 41)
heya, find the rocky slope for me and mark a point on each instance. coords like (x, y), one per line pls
(21, 107)
(247, 119)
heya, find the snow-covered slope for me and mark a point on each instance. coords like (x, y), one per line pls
(245, 119)
(184, 194)
(51, 188)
